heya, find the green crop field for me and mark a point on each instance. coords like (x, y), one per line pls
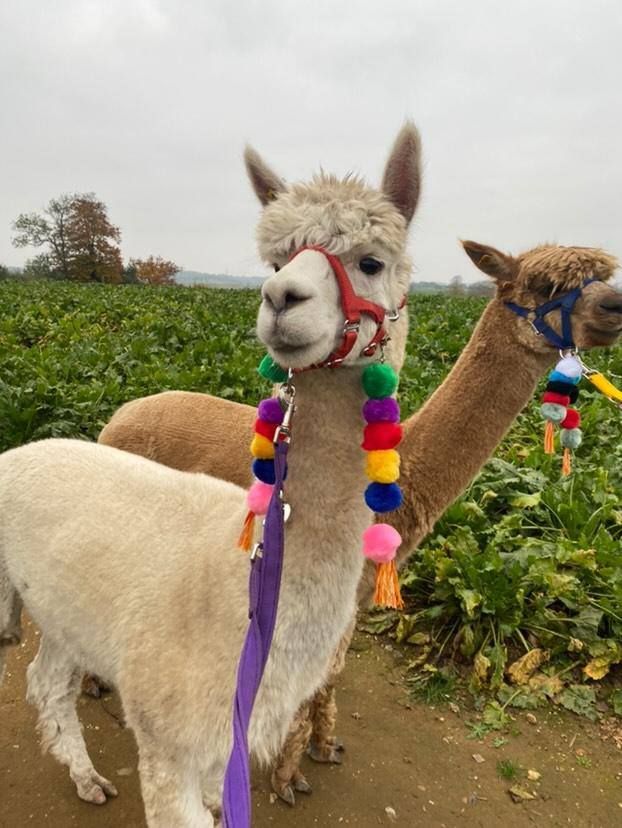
(524, 559)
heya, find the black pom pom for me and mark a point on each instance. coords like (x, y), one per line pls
(567, 389)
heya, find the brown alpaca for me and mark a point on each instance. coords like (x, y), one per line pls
(445, 444)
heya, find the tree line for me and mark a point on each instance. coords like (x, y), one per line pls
(78, 242)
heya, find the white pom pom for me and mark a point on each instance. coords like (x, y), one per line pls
(570, 366)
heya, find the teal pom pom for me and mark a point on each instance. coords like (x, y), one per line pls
(271, 371)
(379, 380)
(571, 437)
(553, 412)
(383, 497)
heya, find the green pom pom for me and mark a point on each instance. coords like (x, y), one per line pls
(379, 380)
(553, 412)
(571, 437)
(271, 371)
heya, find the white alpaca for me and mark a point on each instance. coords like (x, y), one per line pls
(130, 568)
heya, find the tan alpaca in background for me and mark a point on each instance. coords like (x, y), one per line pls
(445, 444)
(130, 568)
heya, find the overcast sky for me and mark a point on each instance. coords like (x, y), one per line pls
(148, 103)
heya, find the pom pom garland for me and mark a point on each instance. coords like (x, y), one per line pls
(561, 390)
(381, 435)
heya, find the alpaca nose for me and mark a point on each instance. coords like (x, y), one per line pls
(613, 304)
(284, 292)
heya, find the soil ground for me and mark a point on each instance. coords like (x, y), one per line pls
(406, 763)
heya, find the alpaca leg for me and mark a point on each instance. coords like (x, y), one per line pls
(171, 789)
(324, 745)
(10, 614)
(287, 776)
(94, 687)
(53, 686)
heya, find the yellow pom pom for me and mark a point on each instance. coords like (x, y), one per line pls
(262, 448)
(383, 466)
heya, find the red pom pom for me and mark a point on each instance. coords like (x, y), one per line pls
(381, 436)
(265, 429)
(572, 419)
(558, 399)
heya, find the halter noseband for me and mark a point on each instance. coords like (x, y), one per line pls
(536, 317)
(353, 306)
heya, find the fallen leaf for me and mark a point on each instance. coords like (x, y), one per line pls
(522, 669)
(519, 794)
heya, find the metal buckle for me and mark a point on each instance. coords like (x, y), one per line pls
(393, 315)
(351, 327)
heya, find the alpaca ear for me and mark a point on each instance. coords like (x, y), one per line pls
(491, 261)
(401, 181)
(266, 182)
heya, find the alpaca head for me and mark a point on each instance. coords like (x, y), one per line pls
(549, 271)
(301, 319)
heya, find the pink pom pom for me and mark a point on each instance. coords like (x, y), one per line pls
(380, 542)
(258, 497)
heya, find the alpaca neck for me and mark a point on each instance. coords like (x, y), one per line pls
(448, 441)
(326, 480)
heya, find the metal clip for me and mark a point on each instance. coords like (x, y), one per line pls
(257, 551)
(287, 396)
(393, 315)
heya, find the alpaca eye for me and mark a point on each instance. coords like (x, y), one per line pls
(276, 268)
(370, 266)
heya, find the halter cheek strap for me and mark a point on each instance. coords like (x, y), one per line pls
(353, 306)
(536, 316)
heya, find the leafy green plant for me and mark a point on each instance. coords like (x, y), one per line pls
(507, 769)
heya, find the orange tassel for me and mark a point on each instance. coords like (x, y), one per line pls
(245, 541)
(566, 462)
(387, 592)
(549, 438)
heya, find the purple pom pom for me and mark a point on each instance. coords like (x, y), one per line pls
(386, 410)
(270, 411)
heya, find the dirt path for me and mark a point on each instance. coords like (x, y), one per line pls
(407, 757)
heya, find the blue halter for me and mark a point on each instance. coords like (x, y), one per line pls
(536, 316)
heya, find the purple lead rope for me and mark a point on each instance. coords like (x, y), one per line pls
(264, 586)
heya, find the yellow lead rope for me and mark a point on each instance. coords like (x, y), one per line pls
(605, 387)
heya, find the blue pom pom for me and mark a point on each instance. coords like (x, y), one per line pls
(557, 376)
(264, 471)
(383, 497)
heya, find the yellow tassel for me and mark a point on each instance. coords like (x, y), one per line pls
(262, 448)
(549, 438)
(383, 466)
(387, 592)
(245, 541)
(566, 462)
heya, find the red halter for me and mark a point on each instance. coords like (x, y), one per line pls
(352, 306)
